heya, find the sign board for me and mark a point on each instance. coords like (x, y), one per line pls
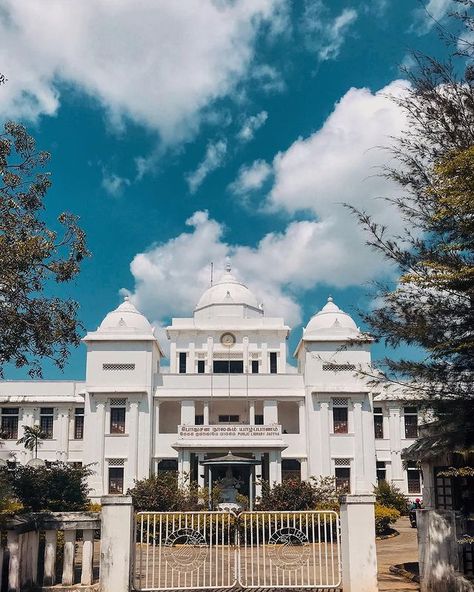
(228, 431)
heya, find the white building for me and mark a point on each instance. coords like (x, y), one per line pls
(228, 388)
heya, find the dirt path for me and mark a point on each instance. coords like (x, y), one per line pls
(400, 549)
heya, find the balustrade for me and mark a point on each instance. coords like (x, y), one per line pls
(31, 552)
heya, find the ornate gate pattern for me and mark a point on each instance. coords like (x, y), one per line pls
(192, 550)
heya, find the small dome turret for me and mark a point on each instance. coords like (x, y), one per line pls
(125, 319)
(331, 324)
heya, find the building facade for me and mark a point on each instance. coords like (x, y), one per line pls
(228, 388)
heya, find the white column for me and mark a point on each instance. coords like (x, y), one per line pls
(116, 543)
(51, 537)
(100, 410)
(282, 358)
(13, 546)
(324, 426)
(275, 467)
(192, 359)
(173, 360)
(87, 557)
(210, 351)
(63, 435)
(270, 412)
(205, 410)
(187, 412)
(359, 557)
(360, 480)
(264, 359)
(201, 482)
(258, 475)
(394, 419)
(252, 413)
(68, 558)
(133, 434)
(245, 350)
(157, 425)
(304, 469)
(302, 420)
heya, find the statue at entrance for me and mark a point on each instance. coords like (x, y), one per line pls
(230, 486)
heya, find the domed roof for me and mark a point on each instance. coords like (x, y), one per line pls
(126, 319)
(331, 323)
(228, 290)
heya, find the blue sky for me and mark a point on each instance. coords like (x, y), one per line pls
(186, 132)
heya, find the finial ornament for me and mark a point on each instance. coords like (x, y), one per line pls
(126, 298)
(330, 298)
(227, 266)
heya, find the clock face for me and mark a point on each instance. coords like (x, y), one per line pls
(228, 339)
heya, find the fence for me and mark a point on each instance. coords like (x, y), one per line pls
(45, 549)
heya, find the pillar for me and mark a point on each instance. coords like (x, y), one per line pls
(324, 431)
(13, 546)
(302, 420)
(87, 557)
(210, 351)
(252, 413)
(192, 359)
(359, 556)
(49, 578)
(265, 368)
(394, 422)
(205, 411)
(201, 482)
(275, 467)
(281, 361)
(245, 351)
(68, 559)
(156, 408)
(187, 412)
(270, 412)
(360, 481)
(133, 442)
(116, 543)
(100, 410)
(173, 368)
(258, 475)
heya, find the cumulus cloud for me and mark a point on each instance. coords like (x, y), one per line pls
(158, 63)
(213, 159)
(113, 184)
(251, 125)
(325, 34)
(251, 177)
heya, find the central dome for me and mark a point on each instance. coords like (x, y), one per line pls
(331, 322)
(228, 291)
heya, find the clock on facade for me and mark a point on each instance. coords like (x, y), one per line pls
(228, 339)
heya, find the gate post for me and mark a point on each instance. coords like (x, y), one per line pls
(359, 557)
(116, 538)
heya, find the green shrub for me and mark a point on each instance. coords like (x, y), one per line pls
(299, 495)
(383, 518)
(390, 496)
(59, 488)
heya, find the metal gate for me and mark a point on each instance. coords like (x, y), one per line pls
(192, 550)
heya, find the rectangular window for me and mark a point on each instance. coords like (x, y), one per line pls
(47, 421)
(116, 480)
(117, 420)
(168, 465)
(273, 362)
(201, 366)
(290, 469)
(228, 366)
(343, 479)
(444, 490)
(199, 419)
(182, 362)
(413, 478)
(378, 423)
(254, 366)
(340, 420)
(258, 419)
(79, 423)
(229, 418)
(9, 425)
(411, 422)
(381, 471)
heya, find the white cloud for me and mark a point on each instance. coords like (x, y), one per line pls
(251, 177)
(113, 184)
(268, 78)
(157, 62)
(335, 164)
(213, 159)
(431, 13)
(324, 34)
(251, 125)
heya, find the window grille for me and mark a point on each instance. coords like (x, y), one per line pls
(338, 367)
(116, 479)
(117, 420)
(116, 462)
(413, 477)
(411, 422)
(201, 356)
(47, 422)
(118, 366)
(273, 362)
(79, 423)
(227, 356)
(381, 471)
(9, 423)
(378, 423)
(342, 462)
(255, 356)
(118, 402)
(339, 402)
(340, 420)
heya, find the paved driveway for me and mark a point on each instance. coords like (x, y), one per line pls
(400, 549)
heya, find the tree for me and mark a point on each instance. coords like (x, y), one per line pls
(59, 488)
(33, 257)
(432, 306)
(31, 438)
